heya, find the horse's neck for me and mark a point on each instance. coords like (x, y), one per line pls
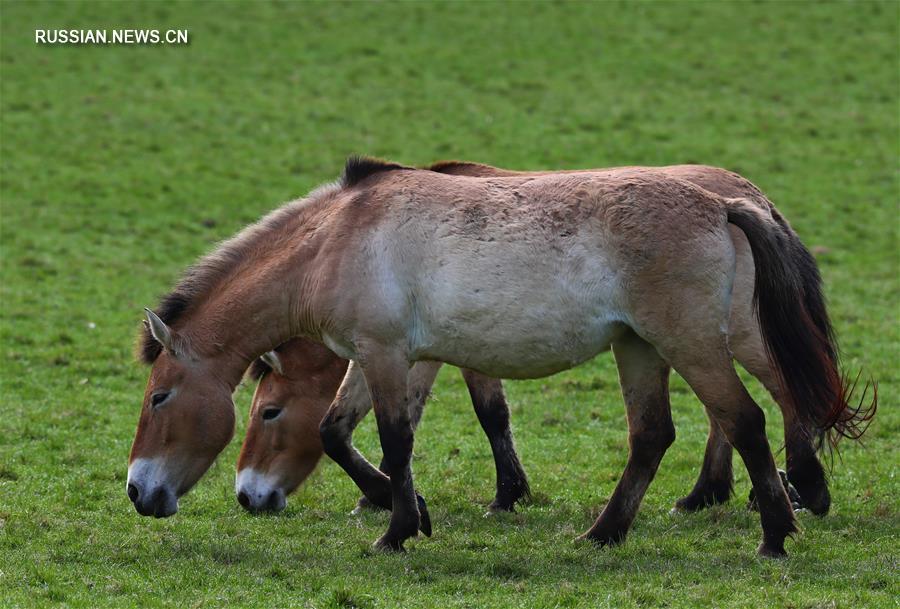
(258, 308)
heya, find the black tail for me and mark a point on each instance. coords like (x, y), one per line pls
(796, 330)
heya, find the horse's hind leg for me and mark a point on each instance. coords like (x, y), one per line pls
(804, 469)
(493, 414)
(711, 374)
(714, 484)
(644, 378)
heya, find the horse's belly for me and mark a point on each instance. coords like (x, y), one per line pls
(516, 304)
(523, 343)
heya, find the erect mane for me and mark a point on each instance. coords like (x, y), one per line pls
(453, 166)
(358, 168)
(468, 168)
(258, 369)
(202, 278)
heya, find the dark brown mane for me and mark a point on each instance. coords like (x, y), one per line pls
(170, 308)
(358, 168)
(453, 166)
(258, 369)
(203, 277)
(473, 170)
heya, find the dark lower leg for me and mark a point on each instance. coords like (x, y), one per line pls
(647, 451)
(805, 471)
(363, 503)
(396, 436)
(421, 378)
(350, 405)
(644, 378)
(715, 482)
(493, 414)
(336, 431)
(748, 435)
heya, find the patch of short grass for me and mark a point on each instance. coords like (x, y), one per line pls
(120, 165)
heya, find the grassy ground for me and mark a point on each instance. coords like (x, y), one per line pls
(120, 165)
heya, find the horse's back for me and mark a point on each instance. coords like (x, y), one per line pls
(527, 275)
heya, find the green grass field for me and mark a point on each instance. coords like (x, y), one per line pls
(122, 164)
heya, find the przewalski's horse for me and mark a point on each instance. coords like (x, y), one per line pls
(297, 384)
(516, 277)
(277, 456)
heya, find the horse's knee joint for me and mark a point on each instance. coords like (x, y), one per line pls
(332, 436)
(653, 442)
(667, 436)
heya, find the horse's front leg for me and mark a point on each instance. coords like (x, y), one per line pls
(493, 414)
(386, 375)
(644, 378)
(350, 405)
(420, 380)
(714, 484)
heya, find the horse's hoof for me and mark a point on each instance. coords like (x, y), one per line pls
(389, 546)
(590, 540)
(819, 507)
(817, 500)
(582, 539)
(364, 505)
(424, 518)
(715, 494)
(493, 511)
(766, 550)
(498, 507)
(600, 540)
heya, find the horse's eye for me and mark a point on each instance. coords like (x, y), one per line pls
(158, 398)
(270, 413)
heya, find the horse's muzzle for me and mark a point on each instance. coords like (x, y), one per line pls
(274, 501)
(159, 502)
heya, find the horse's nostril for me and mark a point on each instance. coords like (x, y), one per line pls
(133, 493)
(244, 500)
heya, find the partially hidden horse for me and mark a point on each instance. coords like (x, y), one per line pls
(515, 277)
(297, 384)
(282, 444)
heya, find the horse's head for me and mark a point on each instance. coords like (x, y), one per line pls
(282, 445)
(186, 420)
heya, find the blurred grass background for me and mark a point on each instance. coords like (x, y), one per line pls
(121, 164)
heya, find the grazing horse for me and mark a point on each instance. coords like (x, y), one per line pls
(277, 456)
(297, 384)
(515, 277)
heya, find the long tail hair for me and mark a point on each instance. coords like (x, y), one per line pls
(796, 330)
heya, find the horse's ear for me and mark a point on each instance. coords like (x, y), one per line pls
(273, 361)
(160, 331)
